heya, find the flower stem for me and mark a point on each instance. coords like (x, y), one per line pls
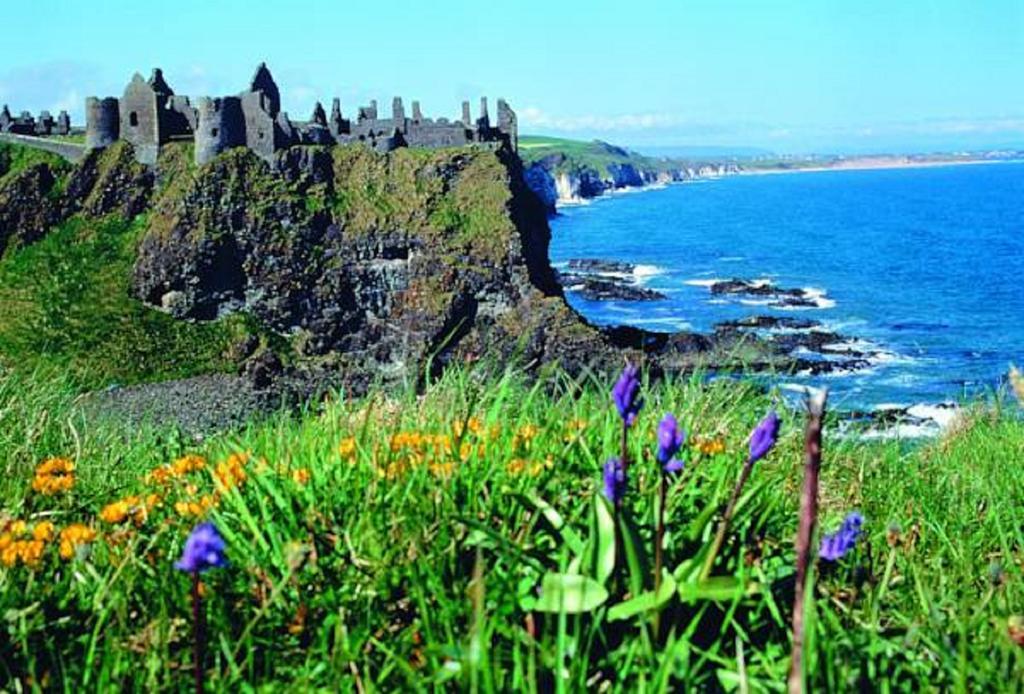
(723, 527)
(659, 539)
(197, 632)
(805, 531)
(624, 450)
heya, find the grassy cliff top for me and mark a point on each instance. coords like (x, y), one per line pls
(577, 154)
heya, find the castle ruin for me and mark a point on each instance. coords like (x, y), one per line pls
(149, 115)
(25, 124)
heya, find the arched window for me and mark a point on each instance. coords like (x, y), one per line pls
(133, 119)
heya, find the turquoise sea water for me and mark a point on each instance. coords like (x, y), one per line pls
(924, 268)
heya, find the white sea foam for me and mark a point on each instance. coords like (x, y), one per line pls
(709, 282)
(674, 323)
(732, 258)
(644, 272)
(942, 414)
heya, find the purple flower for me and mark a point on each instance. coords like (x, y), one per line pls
(614, 481)
(764, 437)
(626, 394)
(670, 440)
(204, 550)
(836, 545)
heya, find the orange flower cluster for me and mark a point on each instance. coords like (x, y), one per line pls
(74, 536)
(231, 472)
(197, 508)
(21, 543)
(136, 508)
(518, 466)
(709, 446)
(54, 475)
(179, 468)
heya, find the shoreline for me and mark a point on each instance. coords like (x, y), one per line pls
(875, 164)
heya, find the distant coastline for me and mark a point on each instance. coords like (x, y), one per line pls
(568, 172)
(870, 163)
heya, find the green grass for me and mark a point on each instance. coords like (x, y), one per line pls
(65, 303)
(16, 158)
(578, 154)
(406, 567)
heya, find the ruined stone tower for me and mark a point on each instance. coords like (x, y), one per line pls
(149, 115)
(102, 122)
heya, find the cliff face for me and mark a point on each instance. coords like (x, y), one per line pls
(390, 260)
(366, 266)
(39, 191)
(568, 171)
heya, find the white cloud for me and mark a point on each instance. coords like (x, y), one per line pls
(534, 117)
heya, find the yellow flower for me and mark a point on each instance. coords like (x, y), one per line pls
(348, 448)
(74, 535)
(301, 476)
(515, 466)
(444, 469)
(116, 511)
(43, 531)
(179, 468)
(54, 475)
(133, 506)
(28, 552)
(231, 472)
(196, 508)
(55, 466)
(710, 446)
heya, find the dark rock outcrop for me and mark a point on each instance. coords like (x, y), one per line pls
(45, 194)
(28, 207)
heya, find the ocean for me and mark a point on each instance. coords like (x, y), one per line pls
(921, 268)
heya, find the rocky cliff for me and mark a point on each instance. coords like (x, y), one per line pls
(567, 171)
(368, 266)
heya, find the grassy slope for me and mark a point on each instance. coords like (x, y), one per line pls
(64, 303)
(578, 154)
(14, 159)
(361, 570)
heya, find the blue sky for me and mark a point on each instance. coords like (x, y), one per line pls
(785, 76)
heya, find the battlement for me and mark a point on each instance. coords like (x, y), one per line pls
(149, 114)
(25, 124)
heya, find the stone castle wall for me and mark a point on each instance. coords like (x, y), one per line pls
(150, 115)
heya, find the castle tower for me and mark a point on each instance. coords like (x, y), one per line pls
(417, 115)
(102, 122)
(319, 116)
(337, 123)
(63, 126)
(398, 113)
(484, 122)
(467, 120)
(220, 126)
(5, 119)
(140, 117)
(264, 82)
(508, 124)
